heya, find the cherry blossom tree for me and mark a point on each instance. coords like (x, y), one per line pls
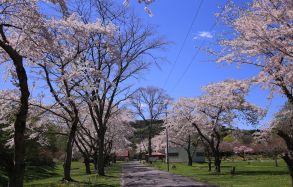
(36, 119)
(117, 136)
(158, 144)
(21, 30)
(60, 47)
(269, 144)
(220, 105)
(181, 131)
(243, 150)
(17, 21)
(119, 61)
(24, 33)
(283, 127)
(263, 39)
(150, 104)
(63, 64)
(120, 130)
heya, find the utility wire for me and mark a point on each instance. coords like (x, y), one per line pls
(192, 59)
(184, 41)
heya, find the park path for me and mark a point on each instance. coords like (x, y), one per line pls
(136, 174)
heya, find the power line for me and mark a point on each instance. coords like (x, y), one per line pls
(187, 67)
(184, 41)
(192, 59)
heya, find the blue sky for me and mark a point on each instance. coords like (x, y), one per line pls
(193, 68)
(188, 74)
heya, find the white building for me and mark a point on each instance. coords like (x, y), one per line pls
(177, 154)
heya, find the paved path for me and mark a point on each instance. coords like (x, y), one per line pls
(138, 175)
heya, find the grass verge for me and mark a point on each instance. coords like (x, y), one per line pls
(52, 177)
(256, 173)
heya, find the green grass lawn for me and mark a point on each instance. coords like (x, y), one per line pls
(256, 174)
(52, 176)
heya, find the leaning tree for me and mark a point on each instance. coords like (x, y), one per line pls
(21, 30)
(18, 20)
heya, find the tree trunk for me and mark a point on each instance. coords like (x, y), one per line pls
(101, 156)
(217, 163)
(16, 178)
(209, 159)
(114, 158)
(189, 151)
(85, 155)
(288, 158)
(95, 158)
(276, 161)
(210, 165)
(189, 158)
(68, 158)
(87, 165)
(107, 153)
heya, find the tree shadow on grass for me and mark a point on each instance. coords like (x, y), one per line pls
(90, 184)
(39, 172)
(262, 172)
(32, 173)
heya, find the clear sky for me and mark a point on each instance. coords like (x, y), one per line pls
(193, 68)
(185, 69)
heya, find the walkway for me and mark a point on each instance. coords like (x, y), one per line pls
(136, 174)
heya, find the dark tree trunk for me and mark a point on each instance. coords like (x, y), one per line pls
(289, 161)
(85, 154)
(101, 156)
(95, 158)
(208, 154)
(114, 158)
(87, 165)
(107, 153)
(189, 151)
(68, 158)
(189, 158)
(217, 163)
(288, 156)
(17, 175)
(276, 161)
(210, 164)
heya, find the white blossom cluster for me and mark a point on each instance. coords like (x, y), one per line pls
(263, 38)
